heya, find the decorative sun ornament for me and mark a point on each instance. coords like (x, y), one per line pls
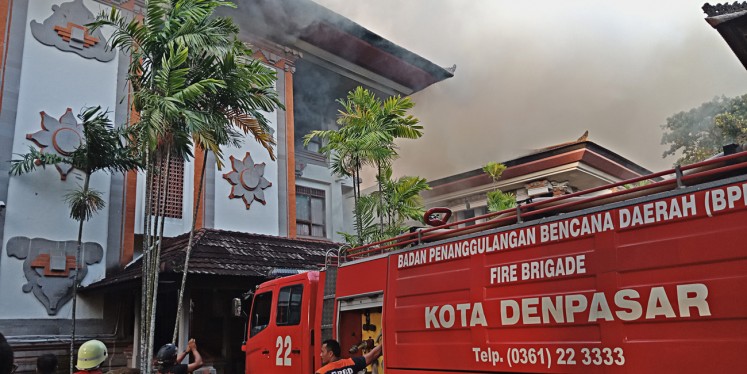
(61, 137)
(247, 180)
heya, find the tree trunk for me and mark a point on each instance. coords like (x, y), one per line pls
(75, 278)
(164, 188)
(195, 210)
(357, 195)
(145, 262)
(390, 207)
(380, 211)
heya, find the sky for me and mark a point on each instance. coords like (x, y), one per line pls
(531, 74)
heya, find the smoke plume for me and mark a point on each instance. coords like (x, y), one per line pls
(534, 74)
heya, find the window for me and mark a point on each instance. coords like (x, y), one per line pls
(310, 212)
(175, 194)
(289, 305)
(260, 313)
(470, 214)
(314, 145)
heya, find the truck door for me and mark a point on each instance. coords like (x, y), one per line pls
(260, 342)
(279, 332)
(291, 336)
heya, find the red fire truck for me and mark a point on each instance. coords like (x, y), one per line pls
(648, 279)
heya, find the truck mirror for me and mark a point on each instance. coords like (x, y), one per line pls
(236, 307)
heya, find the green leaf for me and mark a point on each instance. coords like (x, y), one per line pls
(701, 132)
(494, 170)
(499, 200)
(84, 203)
(29, 161)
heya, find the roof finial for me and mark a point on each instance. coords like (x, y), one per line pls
(584, 136)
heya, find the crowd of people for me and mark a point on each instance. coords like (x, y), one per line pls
(93, 353)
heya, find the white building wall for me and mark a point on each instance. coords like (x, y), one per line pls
(231, 214)
(52, 81)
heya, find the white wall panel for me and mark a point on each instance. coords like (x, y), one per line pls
(231, 214)
(52, 81)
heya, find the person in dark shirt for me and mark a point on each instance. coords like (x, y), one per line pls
(46, 364)
(333, 364)
(6, 357)
(168, 359)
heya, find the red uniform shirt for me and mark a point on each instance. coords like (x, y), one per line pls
(344, 366)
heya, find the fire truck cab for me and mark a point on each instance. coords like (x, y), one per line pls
(285, 329)
(280, 327)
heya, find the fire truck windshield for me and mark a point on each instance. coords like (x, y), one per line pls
(261, 312)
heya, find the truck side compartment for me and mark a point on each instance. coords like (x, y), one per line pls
(647, 287)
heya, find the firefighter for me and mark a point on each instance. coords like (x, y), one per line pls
(6, 357)
(168, 359)
(333, 364)
(46, 364)
(91, 355)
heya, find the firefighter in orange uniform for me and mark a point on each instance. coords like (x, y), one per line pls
(333, 364)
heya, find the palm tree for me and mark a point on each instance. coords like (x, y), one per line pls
(368, 130)
(497, 199)
(349, 152)
(366, 228)
(397, 124)
(402, 198)
(401, 202)
(216, 63)
(249, 88)
(102, 149)
(166, 96)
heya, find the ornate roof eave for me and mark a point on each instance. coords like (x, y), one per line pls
(724, 9)
(730, 21)
(715, 21)
(302, 23)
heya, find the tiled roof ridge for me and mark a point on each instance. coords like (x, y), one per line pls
(273, 251)
(198, 236)
(254, 235)
(726, 8)
(179, 243)
(583, 139)
(561, 145)
(173, 243)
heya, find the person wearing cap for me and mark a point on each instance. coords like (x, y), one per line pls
(168, 360)
(91, 355)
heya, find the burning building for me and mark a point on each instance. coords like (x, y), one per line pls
(283, 218)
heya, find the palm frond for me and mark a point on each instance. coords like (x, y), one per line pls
(30, 161)
(84, 203)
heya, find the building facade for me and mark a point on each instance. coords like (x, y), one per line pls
(52, 66)
(551, 171)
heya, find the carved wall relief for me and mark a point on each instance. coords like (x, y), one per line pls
(65, 29)
(48, 266)
(247, 180)
(61, 137)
